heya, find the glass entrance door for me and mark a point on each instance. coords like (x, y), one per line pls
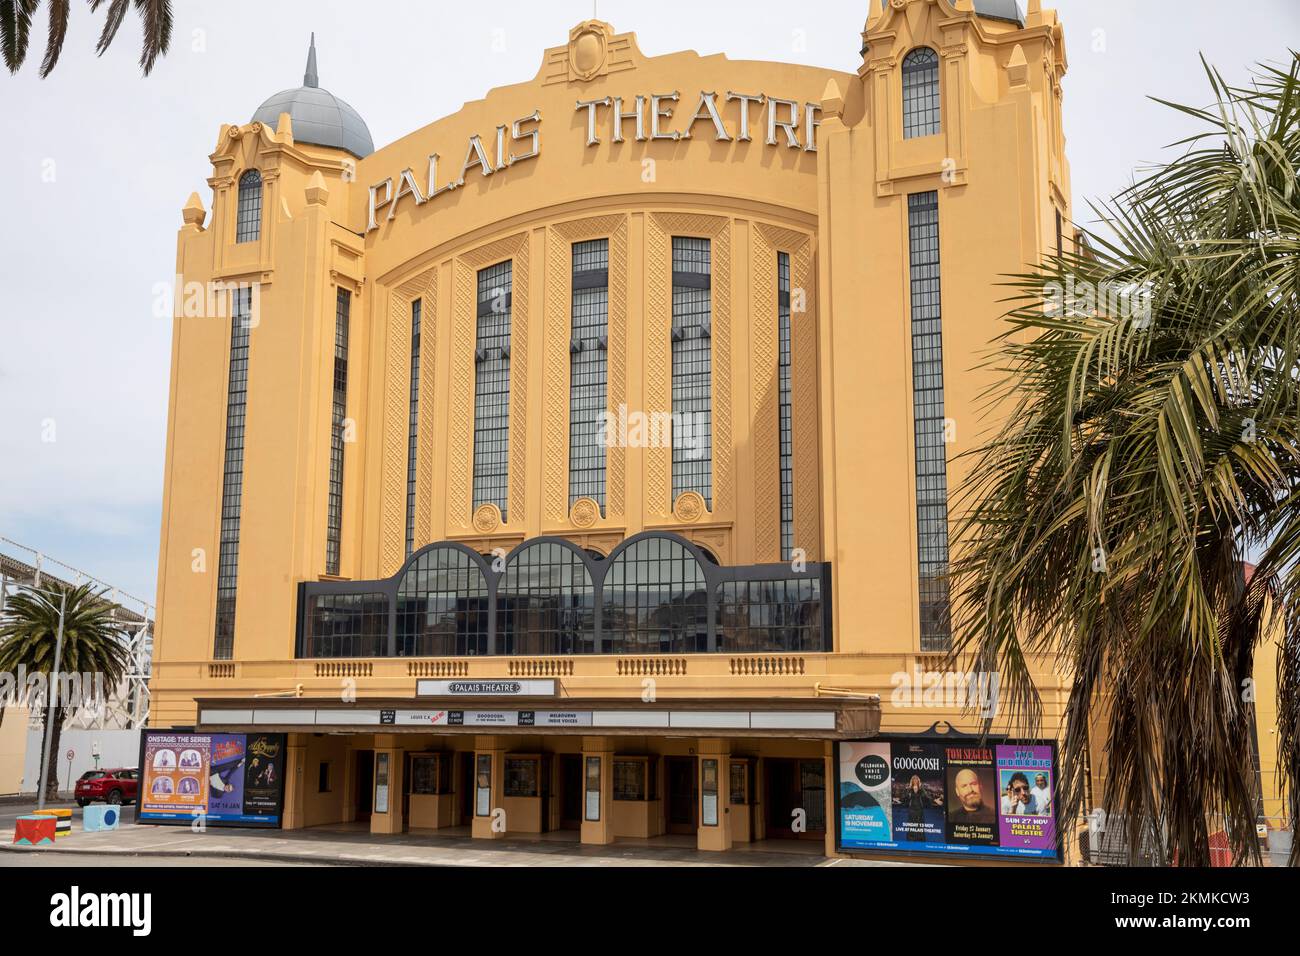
(683, 794)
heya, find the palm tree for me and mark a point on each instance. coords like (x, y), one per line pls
(16, 22)
(1151, 441)
(92, 644)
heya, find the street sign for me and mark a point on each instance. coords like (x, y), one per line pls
(71, 753)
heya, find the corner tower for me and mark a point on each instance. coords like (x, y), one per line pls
(941, 168)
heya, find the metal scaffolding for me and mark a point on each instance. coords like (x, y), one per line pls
(125, 706)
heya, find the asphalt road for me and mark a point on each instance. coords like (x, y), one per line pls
(117, 861)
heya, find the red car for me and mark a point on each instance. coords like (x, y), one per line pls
(112, 786)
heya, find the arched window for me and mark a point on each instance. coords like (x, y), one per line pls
(920, 93)
(248, 222)
(442, 606)
(655, 600)
(545, 602)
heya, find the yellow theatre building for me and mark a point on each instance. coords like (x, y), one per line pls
(578, 464)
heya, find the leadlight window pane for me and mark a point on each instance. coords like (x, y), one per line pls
(785, 406)
(428, 774)
(588, 371)
(928, 415)
(521, 776)
(492, 387)
(772, 616)
(692, 432)
(630, 779)
(413, 425)
(546, 603)
(248, 217)
(232, 479)
(655, 600)
(334, 519)
(442, 606)
(920, 93)
(347, 625)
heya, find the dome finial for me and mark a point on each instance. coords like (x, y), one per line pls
(310, 78)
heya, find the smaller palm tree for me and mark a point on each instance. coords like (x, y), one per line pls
(92, 644)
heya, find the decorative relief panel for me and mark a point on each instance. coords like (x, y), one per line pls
(461, 424)
(661, 227)
(768, 241)
(559, 305)
(397, 384)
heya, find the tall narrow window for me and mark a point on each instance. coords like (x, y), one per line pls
(588, 370)
(920, 93)
(492, 387)
(927, 410)
(413, 425)
(232, 479)
(334, 519)
(248, 219)
(692, 369)
(1060, 247)
(784, 404)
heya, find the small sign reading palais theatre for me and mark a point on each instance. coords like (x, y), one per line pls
(485, 688)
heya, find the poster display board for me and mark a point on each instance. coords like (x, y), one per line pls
(227, 779)
(951, 795)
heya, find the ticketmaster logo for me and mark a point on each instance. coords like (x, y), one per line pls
(103, 909)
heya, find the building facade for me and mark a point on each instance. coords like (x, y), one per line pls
(585, 455)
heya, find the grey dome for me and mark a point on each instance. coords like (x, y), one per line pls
(1001, 10)
(318, 115)
(1008, 10)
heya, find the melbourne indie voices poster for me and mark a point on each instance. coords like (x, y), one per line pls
(864, 798)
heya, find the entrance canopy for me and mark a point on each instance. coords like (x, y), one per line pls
(818, 718)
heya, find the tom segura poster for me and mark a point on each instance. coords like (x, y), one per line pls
(1027, 817)
(865, 802)
(971, 795)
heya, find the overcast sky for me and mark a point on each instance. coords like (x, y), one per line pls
(97, 162)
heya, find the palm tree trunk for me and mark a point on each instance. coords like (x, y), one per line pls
(52, 768)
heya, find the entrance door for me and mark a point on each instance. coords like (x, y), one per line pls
(795, 785)
(683, 794)
(544, 789)
(365, 795)
(467, 788)
(571, 791)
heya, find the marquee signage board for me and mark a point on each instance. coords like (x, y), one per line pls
(956, 796)
(485, 688)
(223, 779)
(521, 714)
